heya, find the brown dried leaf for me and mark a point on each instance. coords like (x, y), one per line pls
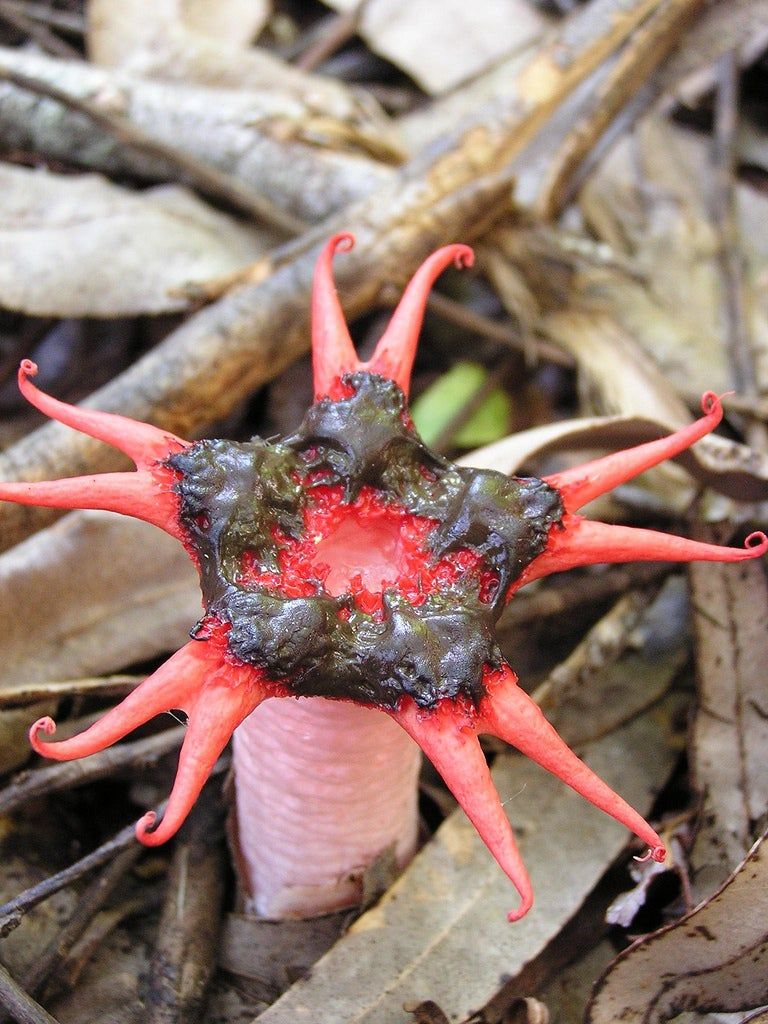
(441, 43)
(441, 933)
(715, 958)
(233, 22)
(157, 39)
(730, 734)
(727, 467)
(81, 246)
(651, 200)
(91, 594)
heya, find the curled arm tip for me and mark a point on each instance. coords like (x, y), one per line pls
(27, 369)
(464, 257)
(46, 725)
(756, 543)
(144, 826)
(526, 902)
(342, 242)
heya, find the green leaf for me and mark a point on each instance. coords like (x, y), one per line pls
(435, 408)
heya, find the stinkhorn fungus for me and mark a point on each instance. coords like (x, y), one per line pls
(350, 566)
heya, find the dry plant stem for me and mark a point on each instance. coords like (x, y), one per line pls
(64, 21)
(14, 15)
(645, 51)
(510, 337)
(22, 1008)
(211, 182)
(187, 943)
(738, 340)
(340, 29)
(91, 686)
(41, 980)
(569, 593)
(12, 912)
(42, 781)
(226, 351)
(242, 134)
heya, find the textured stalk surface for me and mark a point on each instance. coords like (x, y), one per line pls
(322, 788)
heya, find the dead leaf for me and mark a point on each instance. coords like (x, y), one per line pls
(715, 958)
(727, 467)
(235, 23)
(441, 43)
(81, 246)
(158, 39)
(117, 591)
(273, 954)
(625, 663)
(651, 200)
(441, 932)
(729, 738)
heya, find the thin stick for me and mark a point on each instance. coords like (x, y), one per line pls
(41, 977)
(738, 340)
(215, 184)
(184, 960)
(645, 51)
(339, 30)
(19, 1004)
(43, 781)
(463, 316)
(41, 34)
(14, 910)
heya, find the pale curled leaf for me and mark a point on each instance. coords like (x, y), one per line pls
(727, 467)
(729, 738)
(715, 958)
(441, 932)
(116, 591)
(81, 246)
(441, 43)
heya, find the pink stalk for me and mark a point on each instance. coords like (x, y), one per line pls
(322, 788)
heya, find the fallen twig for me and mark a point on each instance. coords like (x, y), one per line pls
(201, 175)
(187, 942)
(19, 1004)
(42, 781)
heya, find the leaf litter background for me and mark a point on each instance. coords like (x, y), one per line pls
(167, 168)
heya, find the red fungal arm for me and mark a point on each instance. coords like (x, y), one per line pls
(396, 349)
(583, 542)
(142, 442)
(509, 713)
(583, 483)
(174, 685)
(333, 352)
(143, 495)
(229, 694)
(449, 740)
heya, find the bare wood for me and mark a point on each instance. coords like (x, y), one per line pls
(187, 943)
(265, 139)
(15, 15)
(41, 979)
(12, 912)
(66, 774)
(197, 173)
(20, 1004)
(648, 47)
(455, 190)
